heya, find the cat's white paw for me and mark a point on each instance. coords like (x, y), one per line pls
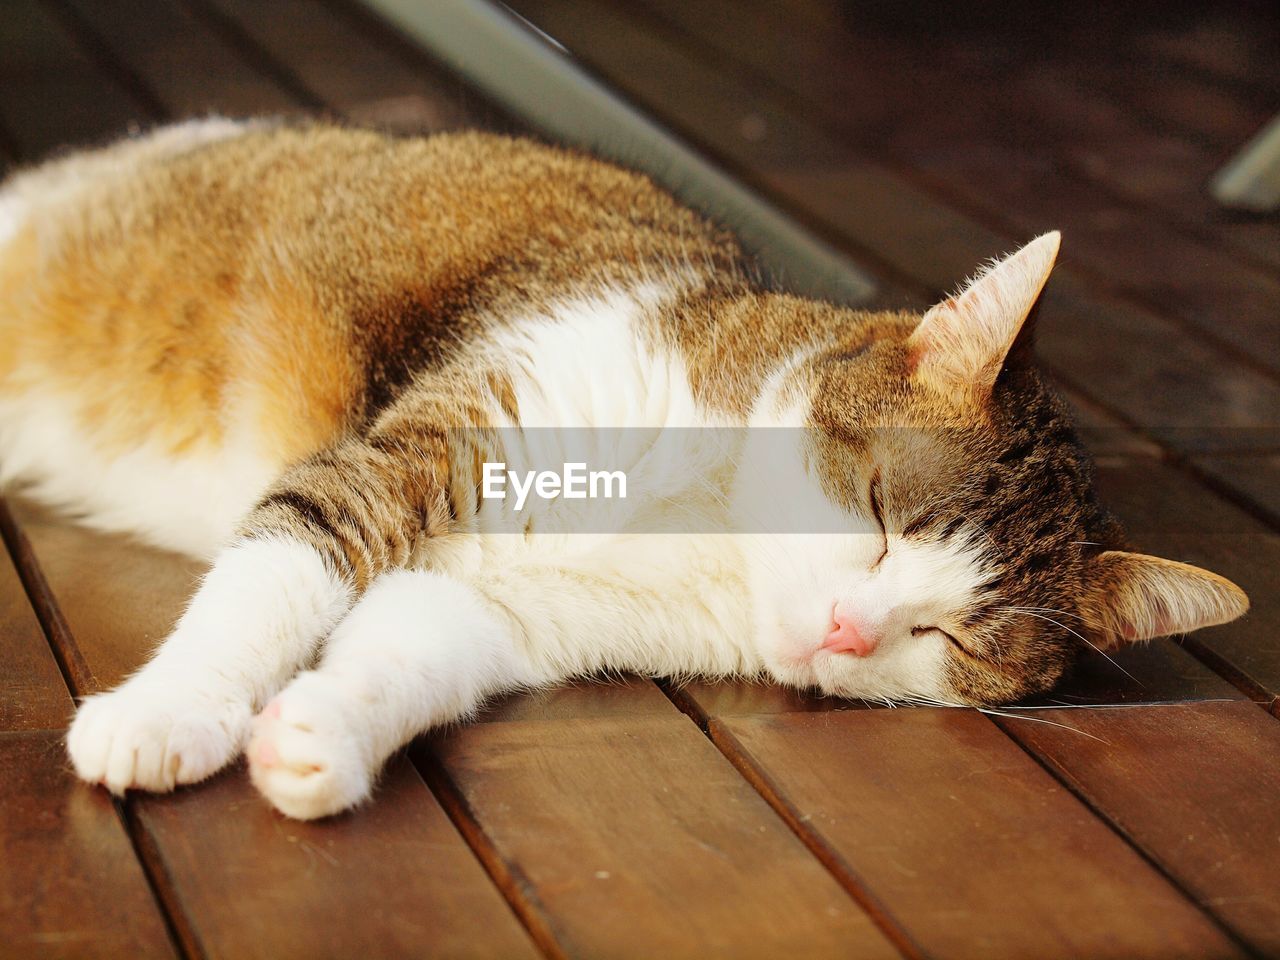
(304, 756)
(154, 735)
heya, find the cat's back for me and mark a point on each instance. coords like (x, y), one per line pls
(393, 243)
(342, 195)
(243, 293)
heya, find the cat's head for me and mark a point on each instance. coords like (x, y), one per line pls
(972, 562)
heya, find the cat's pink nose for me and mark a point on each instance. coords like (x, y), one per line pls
(848, 636)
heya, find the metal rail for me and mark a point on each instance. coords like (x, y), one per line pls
(537, 78)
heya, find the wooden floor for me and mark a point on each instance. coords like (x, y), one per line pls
(1136, 813)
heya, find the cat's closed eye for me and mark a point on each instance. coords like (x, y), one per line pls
(919, 631)
(877, 511)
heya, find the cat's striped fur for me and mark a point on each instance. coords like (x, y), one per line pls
(293, 347)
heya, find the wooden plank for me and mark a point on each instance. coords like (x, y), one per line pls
(1098, 167)
(1256, 477)
(70, 885)
(1006, 163)
(391, 879)
(631, 836)
(1133, 255)
(33, 695)
(118, 599)
(8, 152)
(351, 74)
(393, 873)
(1102, 142)
(1175, 101)
(1106, 137)
(189, 69)
(1153, 672)
(1102, 434)
(626, 697)
(1022, 103)
(742, 124)
(58, 111)
(33, 42)
(964, 839)
(51, 95)
(1106, 133)
(1224, 41)
(1194, 786)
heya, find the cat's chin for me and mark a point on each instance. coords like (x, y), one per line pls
(791, 673)
(805, 676)
(786, 659)
(908, 673)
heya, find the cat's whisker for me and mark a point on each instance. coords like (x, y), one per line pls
(1111, 706)
(925, 700)
(992, 712)
(1042, 610)
(1028, 613)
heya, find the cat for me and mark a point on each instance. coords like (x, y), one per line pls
(296, 348)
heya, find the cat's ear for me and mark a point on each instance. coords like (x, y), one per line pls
(1132, 596)
(961, 343)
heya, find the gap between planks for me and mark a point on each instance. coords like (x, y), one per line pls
(758, 777)
(82, 34)
(75, 671)
(844, 875)
(509, 879)
(1002, 724)
(80, 681)
(255, 55)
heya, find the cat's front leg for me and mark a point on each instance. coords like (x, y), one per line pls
(420, 649)
(328, 527)
(257, 617)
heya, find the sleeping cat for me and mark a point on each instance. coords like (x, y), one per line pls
(304, 351)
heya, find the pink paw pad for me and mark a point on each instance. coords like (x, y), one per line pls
(264, 754)
(272, 709)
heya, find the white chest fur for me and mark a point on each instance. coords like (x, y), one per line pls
(594, 386)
